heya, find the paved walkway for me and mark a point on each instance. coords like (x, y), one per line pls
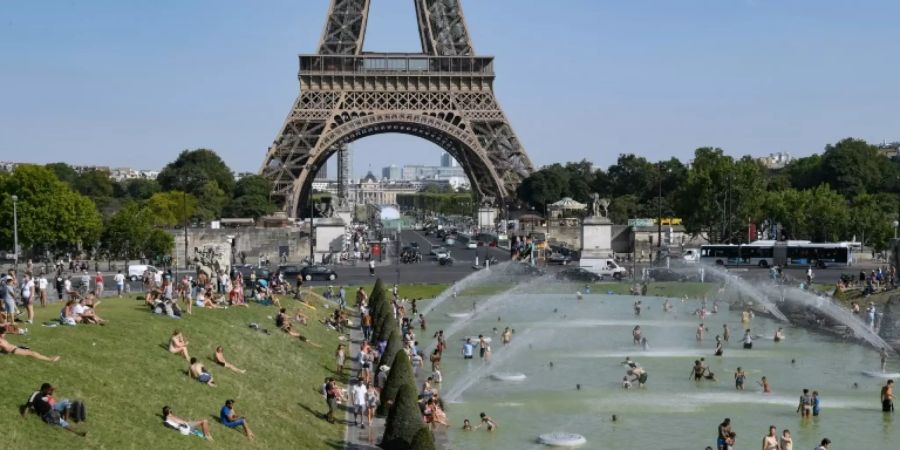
(368, 438)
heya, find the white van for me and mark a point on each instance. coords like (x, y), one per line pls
(605, 267)
(136, 272)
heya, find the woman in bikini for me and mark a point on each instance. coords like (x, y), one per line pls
(178, 345)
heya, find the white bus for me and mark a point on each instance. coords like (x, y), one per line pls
(787, 254)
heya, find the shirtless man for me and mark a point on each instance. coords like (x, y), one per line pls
(700, 332)
(177, 422)
(724, 432)
(8, 348)
(887, 396)
(506, 337)
(770, 441)
(199, 373)
(697, 371)
(720, 349)
(636, 334)
(283, 322)
(220, 360)
(487, 422)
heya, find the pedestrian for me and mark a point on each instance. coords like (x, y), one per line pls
(371, 267)
(28, 296)
(41, 288)
(120, 283)
(331, 394)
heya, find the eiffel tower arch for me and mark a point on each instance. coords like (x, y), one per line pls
(444, 94)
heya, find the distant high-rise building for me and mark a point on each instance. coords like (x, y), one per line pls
(322, 174)
(448, 161)
(391, 172)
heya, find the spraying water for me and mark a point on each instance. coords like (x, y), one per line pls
(750, 290)
(471, 280)
(834, 311)
(469, 379)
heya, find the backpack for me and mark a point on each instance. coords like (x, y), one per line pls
(77, 411)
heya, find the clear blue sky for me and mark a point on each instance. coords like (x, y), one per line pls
(128, 83)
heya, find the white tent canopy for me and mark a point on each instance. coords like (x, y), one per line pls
(568, 203)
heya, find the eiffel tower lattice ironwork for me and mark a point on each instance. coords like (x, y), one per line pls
(444, 94)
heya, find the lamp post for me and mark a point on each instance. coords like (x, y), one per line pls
(896, 224)
(15, 199)
(659, 209)
(184, 213)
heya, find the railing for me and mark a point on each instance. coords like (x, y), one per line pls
(378, 64)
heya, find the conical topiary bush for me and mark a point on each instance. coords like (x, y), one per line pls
(404, 420)
(423, 440)
(400, 375)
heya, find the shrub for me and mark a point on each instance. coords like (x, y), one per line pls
(399, 376)
(404, 420)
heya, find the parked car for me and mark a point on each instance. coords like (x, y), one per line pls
(318, 272)
(136, 272)
(471, 244)
(290, 271)
(559, 258)
(605, 267)
(579, 274)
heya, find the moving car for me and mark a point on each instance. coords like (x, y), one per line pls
(136, 272)
(290, 271)
(318, 272)
(605, 267)
(471, 244)
(578, 274)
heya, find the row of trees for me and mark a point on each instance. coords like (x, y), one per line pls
(61, 210)
(851, 190)
(404, 429)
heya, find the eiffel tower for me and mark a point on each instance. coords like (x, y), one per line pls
(444, 94)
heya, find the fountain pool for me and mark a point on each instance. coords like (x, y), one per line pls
(586, 340)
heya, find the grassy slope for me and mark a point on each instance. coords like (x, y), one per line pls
(125, 376)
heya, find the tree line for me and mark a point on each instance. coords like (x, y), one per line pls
(850, 190)
(61, 210)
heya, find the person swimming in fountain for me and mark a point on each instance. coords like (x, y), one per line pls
(779, 335)
(726, 333)
(700, 332)
(739, 377)
(667, 306)
(636, 335)
(883, 354)
(645, 345)
(637, 308)
(697, 371)
(720, 348)
(487, 421)
(748, 340)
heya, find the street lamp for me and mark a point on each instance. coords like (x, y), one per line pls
(896, 224)
(15, 199)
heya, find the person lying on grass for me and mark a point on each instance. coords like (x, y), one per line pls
(199, 373)
(186, 427)
(220, 360)
(230, 419)
(9, 326)
(10, 349)
(283, 322)
(51, 410)
(178, 345)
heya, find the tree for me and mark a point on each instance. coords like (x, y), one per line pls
(94, 183)
(51, 217)
(127, 232)
(394, 345)
(159, 244)
(254, 185)
(64, 173)
(423, 440)
(854, 167)
(404, 420)
(543, 187)
(872, 217)
(249, 206)
(193, 169)
(399, 377)
(171, 208)
(139, 188)
(211, 200)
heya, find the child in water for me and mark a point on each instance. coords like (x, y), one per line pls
(467, 426)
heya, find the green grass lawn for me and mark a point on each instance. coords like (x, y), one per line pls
(125, 375)
(423, 291)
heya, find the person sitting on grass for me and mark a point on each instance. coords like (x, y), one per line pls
(301, 318)
(86, 314)
(284, 324)
(204, 300)
(186, 427)
(199, 373)
(178, 345)
(220, 360)
(6, 347)
(231, 420)
(50, 410)
(67, 314)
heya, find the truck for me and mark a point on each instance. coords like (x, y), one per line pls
(605, 267)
